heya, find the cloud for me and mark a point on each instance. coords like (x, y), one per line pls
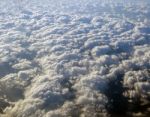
(74, 58)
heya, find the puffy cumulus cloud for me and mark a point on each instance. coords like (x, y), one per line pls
(74, 58)
(11, 88)
(101, 50)
(28, 107)
(50, 91)
(138, 83)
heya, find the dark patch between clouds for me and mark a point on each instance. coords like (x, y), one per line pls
(27, 54)
(117, 103)
(3, 105)
(6, 68)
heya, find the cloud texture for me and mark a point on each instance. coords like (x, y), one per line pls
(79, 59)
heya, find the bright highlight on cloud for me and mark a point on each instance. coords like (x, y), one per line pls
(74, 58)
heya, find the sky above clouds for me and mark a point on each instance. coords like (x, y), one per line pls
(74, 58)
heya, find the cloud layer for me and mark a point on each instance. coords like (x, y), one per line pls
(88, 60)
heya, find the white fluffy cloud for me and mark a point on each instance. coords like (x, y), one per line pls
(74, 58)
